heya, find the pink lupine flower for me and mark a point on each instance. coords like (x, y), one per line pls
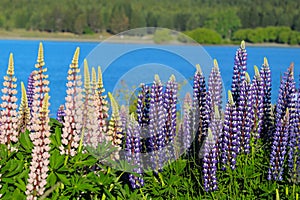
(8, 120)
(40, 153)
(72, 121)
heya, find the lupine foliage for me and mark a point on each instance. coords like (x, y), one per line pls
(249, 150)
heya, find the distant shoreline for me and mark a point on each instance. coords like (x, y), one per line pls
(21, 34)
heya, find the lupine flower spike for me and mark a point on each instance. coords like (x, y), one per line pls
(200, 118)
(40, 154)
(278, 149)
(40, 87)
(184, 138)
(9, 121)
(267, 126)
(258, 106)
(156, 125)
(101, 105)
(60, 114)
(210, 162)
(214, 89)
(245, 114)
(114, 133)
(133, 151)
(30, 89)
(239, 69)
(170, 103)
(24, 111)
(229, 145)
(283, 136)
(90, 123)
(72, 124)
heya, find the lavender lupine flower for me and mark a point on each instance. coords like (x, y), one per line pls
(239, 69)
(30, 90)
(156, 125)
(133, 151)
(215, 87)
(9, 120)
(24, 111)
(229, 141)
(184, 137)
(200, 108)
(265, 74)
(40, 154)
(245, 115)
(258, 106)
(210, 163)
(115, 132)
(72, 124)
(60, 114)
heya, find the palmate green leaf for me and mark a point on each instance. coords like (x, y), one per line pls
(12, 167)
(51, 179)
(3, 153)
(63, 178)
(20, 184)
(58, 133)
(56, 160)
(25, 142)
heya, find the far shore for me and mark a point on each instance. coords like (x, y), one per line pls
(20, 34)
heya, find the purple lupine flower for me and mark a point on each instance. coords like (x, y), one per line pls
(40, 138)
(170, 106)
(293, 131)
(72, 124)
(283, 136)
(9, 133)
(60, 114)
(267, 126)
(210, 162)
(156, 125)
(214, 89)
(278, 149)
(216, 127)
(200, 111)
(133, 151)
(258, 97)
(143, 105)
(184, 135)
(229, 141)
(245, 115)
(30, 90)
(142, 111)
(170, 103)
(239, 69)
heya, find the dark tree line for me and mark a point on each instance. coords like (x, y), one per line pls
(114, 16)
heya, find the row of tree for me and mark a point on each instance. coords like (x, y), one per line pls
(89, 16)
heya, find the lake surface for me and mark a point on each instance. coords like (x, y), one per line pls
(137, 63)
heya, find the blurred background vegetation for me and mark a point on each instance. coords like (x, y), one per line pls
(222, 21)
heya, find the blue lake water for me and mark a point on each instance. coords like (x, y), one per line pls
(136, 63)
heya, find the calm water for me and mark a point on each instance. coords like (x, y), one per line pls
(151, 60)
